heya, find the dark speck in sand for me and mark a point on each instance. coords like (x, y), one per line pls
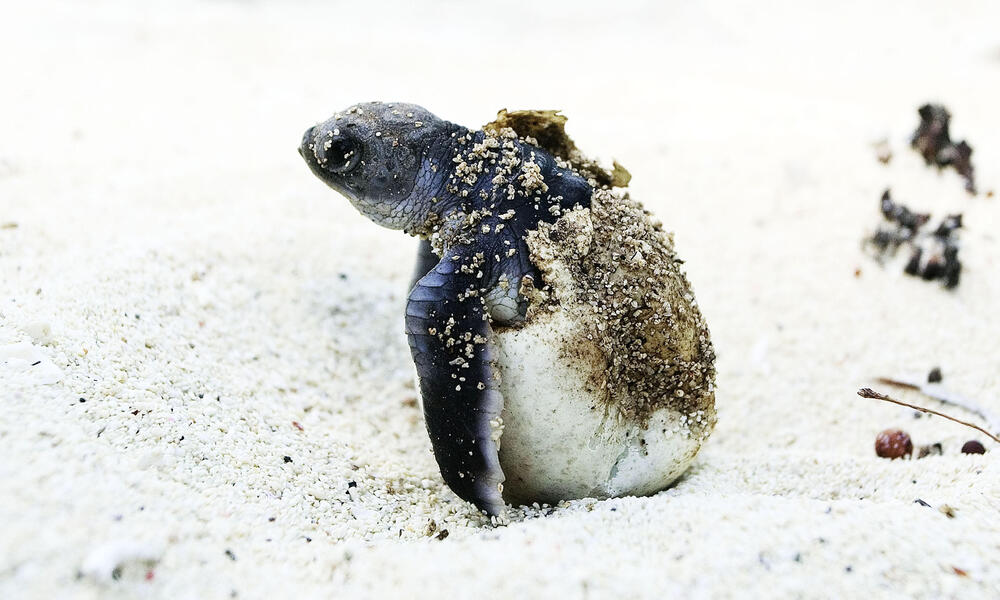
(934, 449)
(882, 151)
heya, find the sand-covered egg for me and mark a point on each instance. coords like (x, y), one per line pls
(608, 385)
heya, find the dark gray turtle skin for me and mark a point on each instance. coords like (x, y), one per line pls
(472, 197)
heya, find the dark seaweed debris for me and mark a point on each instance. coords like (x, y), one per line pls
(933, 141)
(933, 256)
(902, 216)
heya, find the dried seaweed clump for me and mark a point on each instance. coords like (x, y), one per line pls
(933, 255)
(933, 141)
(547, 130)
(615, 271)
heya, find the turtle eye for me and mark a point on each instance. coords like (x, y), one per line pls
(339, 154)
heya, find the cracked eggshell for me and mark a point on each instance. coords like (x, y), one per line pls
(609, 384)
(560, 440)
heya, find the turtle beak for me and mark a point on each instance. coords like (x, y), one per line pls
(307, 139)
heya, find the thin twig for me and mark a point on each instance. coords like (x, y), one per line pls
(870, 393)
(941, 394)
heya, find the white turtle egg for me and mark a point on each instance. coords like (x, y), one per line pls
(560, 442)
(608, 386)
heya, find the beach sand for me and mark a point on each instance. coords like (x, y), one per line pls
(223, 406)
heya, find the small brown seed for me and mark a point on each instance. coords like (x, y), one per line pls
(973, 447)
(893, 443)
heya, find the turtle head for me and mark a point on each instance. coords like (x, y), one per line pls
(373, 153)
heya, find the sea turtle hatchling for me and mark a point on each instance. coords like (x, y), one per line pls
(548, 309)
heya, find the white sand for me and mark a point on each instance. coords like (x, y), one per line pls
(203, 292)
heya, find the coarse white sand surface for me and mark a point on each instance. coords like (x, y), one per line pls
(205, 390)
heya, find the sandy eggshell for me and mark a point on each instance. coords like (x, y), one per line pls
(608, 385)
(560, 441)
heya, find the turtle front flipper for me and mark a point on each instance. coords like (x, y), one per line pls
(450, 339)
(426, 259)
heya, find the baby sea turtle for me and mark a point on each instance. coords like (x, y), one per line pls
(527, 257)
